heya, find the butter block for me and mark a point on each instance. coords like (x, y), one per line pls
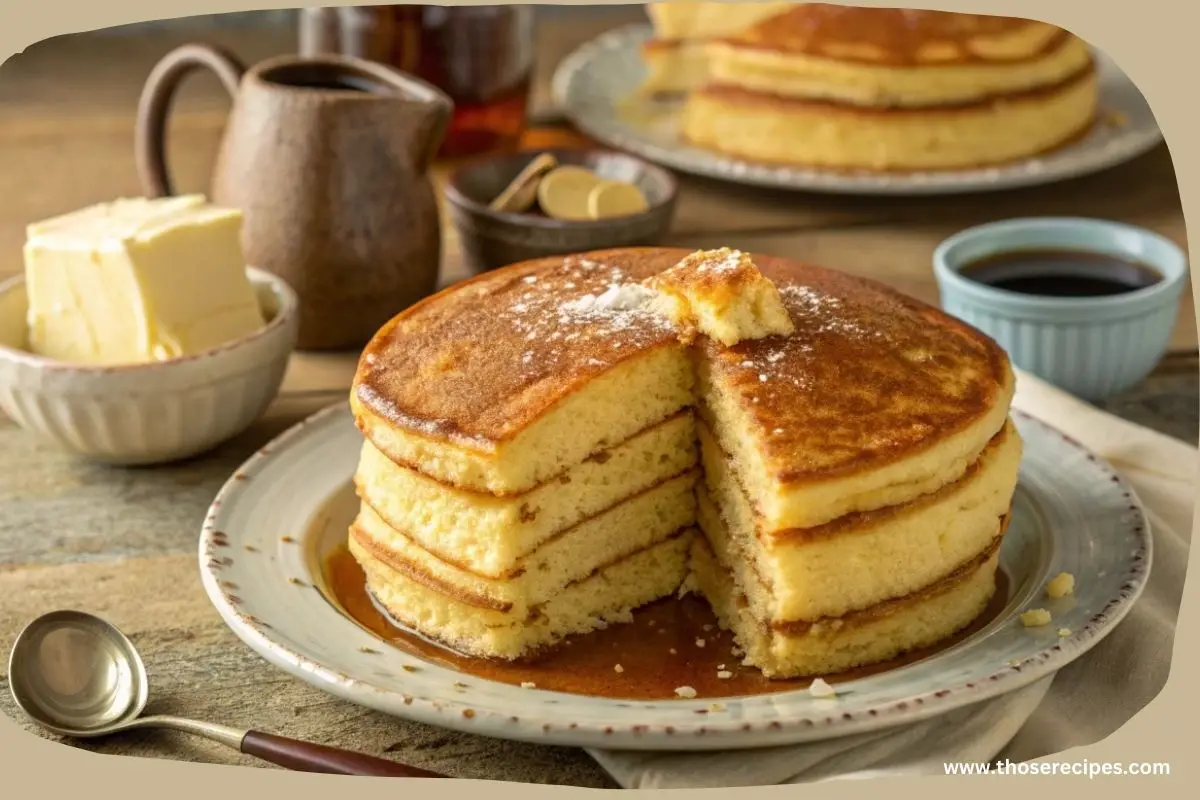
(137, 280)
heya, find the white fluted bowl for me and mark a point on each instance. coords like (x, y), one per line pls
(147, 413)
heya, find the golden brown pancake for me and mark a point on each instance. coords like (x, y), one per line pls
(846, 87)
(901, 36)
(479, 363)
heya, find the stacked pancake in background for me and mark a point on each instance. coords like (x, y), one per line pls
(890, 89)
(676, 58)
(542, 439)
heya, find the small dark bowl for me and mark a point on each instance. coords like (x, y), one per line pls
(493, 239)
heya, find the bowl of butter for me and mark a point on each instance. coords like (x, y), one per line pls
(137, 334)
(524, 205)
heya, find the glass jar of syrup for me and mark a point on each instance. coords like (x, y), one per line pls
(481, 56)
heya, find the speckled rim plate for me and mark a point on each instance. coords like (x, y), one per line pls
(1072, 513)
(592, 87)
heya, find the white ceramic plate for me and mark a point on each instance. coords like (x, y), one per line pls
(594, 84)
(265, 537)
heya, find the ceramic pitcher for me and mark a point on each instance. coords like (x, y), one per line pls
(328, 158)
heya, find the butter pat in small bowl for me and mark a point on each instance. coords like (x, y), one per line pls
(137, 335)
(636, 204)
(1086, 304)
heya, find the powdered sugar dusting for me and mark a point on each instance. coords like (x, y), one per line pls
(580, 304)
(778, 365)
(728, 262)
(819, 313)
(617, 297)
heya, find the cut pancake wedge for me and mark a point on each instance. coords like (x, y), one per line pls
(860, 559)
(838, 644)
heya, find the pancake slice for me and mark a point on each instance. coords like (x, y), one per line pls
(635, 524)
(838, 644)
(489, 535)
(869, 404)
(859, 560)
(612, 407)
(606, 597)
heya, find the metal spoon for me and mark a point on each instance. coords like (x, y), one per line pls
(76, 675)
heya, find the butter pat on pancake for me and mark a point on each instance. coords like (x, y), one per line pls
(674, 67)
(721, 294)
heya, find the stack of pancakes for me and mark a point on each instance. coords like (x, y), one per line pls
(883, 89)
(676, 57)
(541, 445)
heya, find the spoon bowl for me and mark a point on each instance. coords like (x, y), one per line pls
(77, 675)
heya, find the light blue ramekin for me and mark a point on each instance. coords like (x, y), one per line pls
(1093, 347)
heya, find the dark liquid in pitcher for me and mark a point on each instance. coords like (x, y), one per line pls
(481, 56)
(305, 76)
(1061, 273)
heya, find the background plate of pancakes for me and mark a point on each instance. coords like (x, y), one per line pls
(599, 87)
(266, 539)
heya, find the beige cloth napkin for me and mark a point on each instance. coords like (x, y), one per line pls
(1060, 712)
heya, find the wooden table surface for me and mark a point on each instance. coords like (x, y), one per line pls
(122, 542)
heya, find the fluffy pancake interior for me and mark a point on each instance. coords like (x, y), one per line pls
(605, 598)
(488, 535)
(630, 397)
(805, 504)
(637, 523)
(842, 643)
(861, 560)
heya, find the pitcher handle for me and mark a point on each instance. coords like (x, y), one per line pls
(154, 106)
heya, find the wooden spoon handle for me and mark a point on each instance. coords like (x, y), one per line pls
(309, 757)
